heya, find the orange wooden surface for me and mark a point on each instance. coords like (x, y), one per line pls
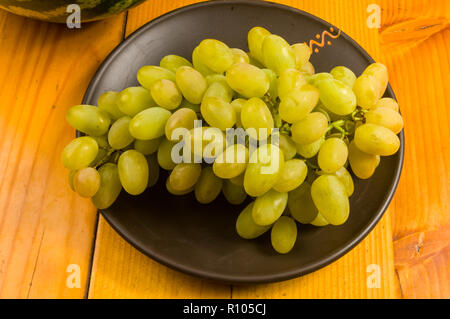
(44, 227)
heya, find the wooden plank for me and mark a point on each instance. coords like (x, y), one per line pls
(44, 226)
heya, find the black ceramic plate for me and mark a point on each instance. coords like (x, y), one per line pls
(200, 239)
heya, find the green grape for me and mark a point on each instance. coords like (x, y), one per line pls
(215, 54)
(255, 39)
(238, 180)
(164, 155)
(289, 80)
(277, 54)
(292, 175)
(269, 207)
(237, 105)
(320, 108)
(110, 186)
(215, 78)
(246, 227)
(166, 94)
(88, 119)
(232, 162)
(239, 56)
(301, 205)
(367, 91)
(273, 84)
(184, 176)
(344, 75)
(284, 235)
(287, 146)
(153, 170)
(263, 169)
(199, 65)
(79, 153)
(363, 165)
(188, 105)
(133, 100)
(208, 186)
(175, 192)
(70, 179)
(149, 74)
(318, 77)
(319, 221)
(149, 124)
(103, 148)
(108, 103)
(386, 117)
(376, 140)
(119, 136)
(332, 155)
(147, 147)
(173, 62)
(346, 179)
(255, 62)
(330, 198)
(302, 54)
(234, 194)
(337, 97)
(219, 89)
(218, 113)
(86, 182)
(299, 103)
(248, 80)
(307, 69)
(311, 149)
(191, 83)
(380, 73)
(255, 114)
(309, 129)
(387, 102)
(182, 118)
(133, 172)
(207, 142)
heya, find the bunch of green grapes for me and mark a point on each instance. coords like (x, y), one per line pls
(327, 123)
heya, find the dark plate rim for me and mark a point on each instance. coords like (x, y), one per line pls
(233, 279)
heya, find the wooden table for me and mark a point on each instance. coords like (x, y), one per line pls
(48, 234)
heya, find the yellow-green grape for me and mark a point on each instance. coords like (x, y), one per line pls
(215, 54)
(255, 62)
(320, 108)
(110, 186)
(232, 162)
(164, 155)
(269, 207)
(319, 221)
(292, 175)
(308, 69)
(175, 192)
(133, 172)
(387, 102)
(147, 147)
(346, 179)
(263, 169)
(386, 117)
(182, 118)
(88, 119)
(311, 149)
(79, 153)
(153, 170)
(234, 194)
(376, 140)
(191, 83)
(103, 148)
(134, 99)
(318, 77)
(239, 56)
(173, 62)
(188, 105)
(149, 74)
(330, 198)
(332, 155)
(246, 227)
(337, 97)
(367, 91)
(199, 65)
(86, 182)
(208, 186)
(207, 142)
(273, 86)
(247, 80)
(301, 205)
(149, 124)
(380, 73)
(363, 165)
(287, 146)
(184, 176)
(108, 103)
(219, 89)
(277, 54)
(298, 103)
(289, 80)
(255, 39)
(238, 180)
(166, 94)
(255, 114)
(119, 135)
(310, 128)
(284, 235)
(215, 78)
(70, 179)
(344, 75)
(302, 54)
(237, 105)
(218, 113)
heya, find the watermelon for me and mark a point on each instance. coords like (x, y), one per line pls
(55, 10)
